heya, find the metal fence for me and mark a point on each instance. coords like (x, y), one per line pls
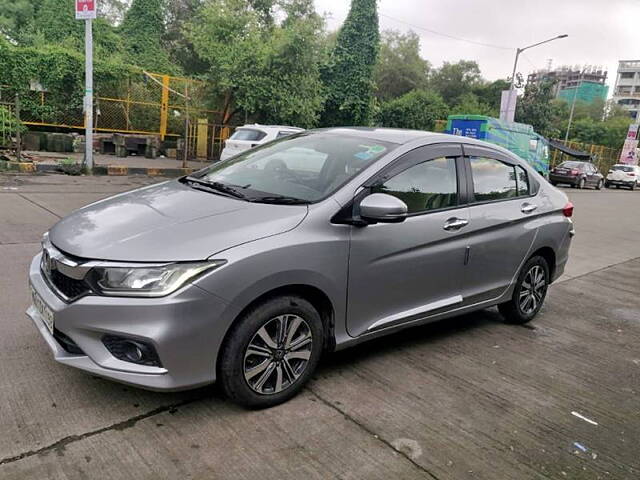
(147, 104)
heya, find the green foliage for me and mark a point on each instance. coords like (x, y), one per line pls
(490, 94)
(15, 17)
(417, 110)
(69, 166)
(60, 72)
(470, 104)
(142, 31)
(452, 80)
(271, 72)
(400, 67)
(9, 126)
(348, 76)
(536, 108)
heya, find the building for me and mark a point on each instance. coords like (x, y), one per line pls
(626, 92)
(584, 83)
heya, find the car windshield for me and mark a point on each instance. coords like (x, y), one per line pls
(623, 168)
(306, 167)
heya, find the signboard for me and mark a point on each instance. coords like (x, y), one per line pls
(508, 105)
(629, 153)
(85, 9)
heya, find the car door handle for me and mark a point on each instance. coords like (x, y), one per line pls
(528, 208)
(455, 224)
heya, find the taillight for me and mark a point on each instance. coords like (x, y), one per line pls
(575, 172)
(567, 211)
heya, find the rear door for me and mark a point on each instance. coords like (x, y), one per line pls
(502, 224)
(399, 272)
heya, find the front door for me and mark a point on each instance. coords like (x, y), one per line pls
(411, 270)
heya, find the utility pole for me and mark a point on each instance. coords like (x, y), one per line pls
(510, 106)
(88, 94)
(86, 10)
(18, 132)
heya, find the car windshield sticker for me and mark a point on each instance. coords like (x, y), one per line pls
(370, 152)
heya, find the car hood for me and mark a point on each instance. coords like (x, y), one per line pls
(169, 222)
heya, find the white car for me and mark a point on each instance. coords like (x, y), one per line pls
(249, 136)
(623, 176)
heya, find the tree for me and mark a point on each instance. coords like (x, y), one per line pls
(348, 76)
(270, 72)
(470, 104)
(417, 110)
(142, 31)
(490, 93)
(400, 68)
(15, 17)
(452, 80)
(536, 108)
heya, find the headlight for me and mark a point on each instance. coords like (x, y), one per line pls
(156, 281)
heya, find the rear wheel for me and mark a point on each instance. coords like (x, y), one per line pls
(272, 352)
(599, 185)
(607, 185)
(633, 186)
(529, 293)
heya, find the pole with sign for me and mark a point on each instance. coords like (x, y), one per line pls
(86, 10)
(629, 150)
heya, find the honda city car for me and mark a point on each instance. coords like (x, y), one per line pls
(248, 271)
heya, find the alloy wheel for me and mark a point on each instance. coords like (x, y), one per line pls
(278, 354)
(532, 290)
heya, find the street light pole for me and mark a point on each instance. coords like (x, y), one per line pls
(512, 94)
(573, 108)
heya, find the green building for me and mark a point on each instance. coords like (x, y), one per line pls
(586, 92)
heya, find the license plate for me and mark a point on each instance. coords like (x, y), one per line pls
(45, 312)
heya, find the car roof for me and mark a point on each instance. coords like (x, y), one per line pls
(278, 127)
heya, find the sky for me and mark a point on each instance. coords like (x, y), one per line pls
(601, 32)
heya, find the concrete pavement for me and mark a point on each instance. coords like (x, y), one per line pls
(466, 398)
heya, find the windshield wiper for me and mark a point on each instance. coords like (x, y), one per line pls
(280, 199)
(214, 187)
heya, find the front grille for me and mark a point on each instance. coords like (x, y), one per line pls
(69, 287)
(65, 342)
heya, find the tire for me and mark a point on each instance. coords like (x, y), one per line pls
(273, 373)
(582, 183)
(599, 185)
(526, 303)
(607, 185)
(633, 186)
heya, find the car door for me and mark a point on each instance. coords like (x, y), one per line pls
(406, 271)
(502, 225)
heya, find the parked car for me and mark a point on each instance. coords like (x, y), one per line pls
(623, 176)
(247, 271)
(250, 136)
(577, 174)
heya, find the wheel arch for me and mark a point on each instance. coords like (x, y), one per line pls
(313, 294)
(549, 255)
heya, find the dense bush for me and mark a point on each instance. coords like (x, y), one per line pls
(416, 110)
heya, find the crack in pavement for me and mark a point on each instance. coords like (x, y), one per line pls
(372, 433)
(123, 425)
(38, 205)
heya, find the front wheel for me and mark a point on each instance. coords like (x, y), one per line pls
(271, 352)
(581, 183)
(599, 185)
(633, 186)
(529, 293)
(607, 185)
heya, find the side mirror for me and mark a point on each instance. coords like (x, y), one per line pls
(383, 208)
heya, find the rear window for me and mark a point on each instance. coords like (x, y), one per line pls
(622, 168)
(248, 134)
(578, 165)
(285, 133)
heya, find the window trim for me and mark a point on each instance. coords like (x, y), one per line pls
(480, 151)
(415, 157)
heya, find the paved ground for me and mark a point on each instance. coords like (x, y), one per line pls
(468, 398)
(51, 158)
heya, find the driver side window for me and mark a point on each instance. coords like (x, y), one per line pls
(430, 185)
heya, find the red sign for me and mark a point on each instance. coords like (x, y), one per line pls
(85, 9)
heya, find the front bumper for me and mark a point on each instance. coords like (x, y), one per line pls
(181, 328)
(624, 183)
